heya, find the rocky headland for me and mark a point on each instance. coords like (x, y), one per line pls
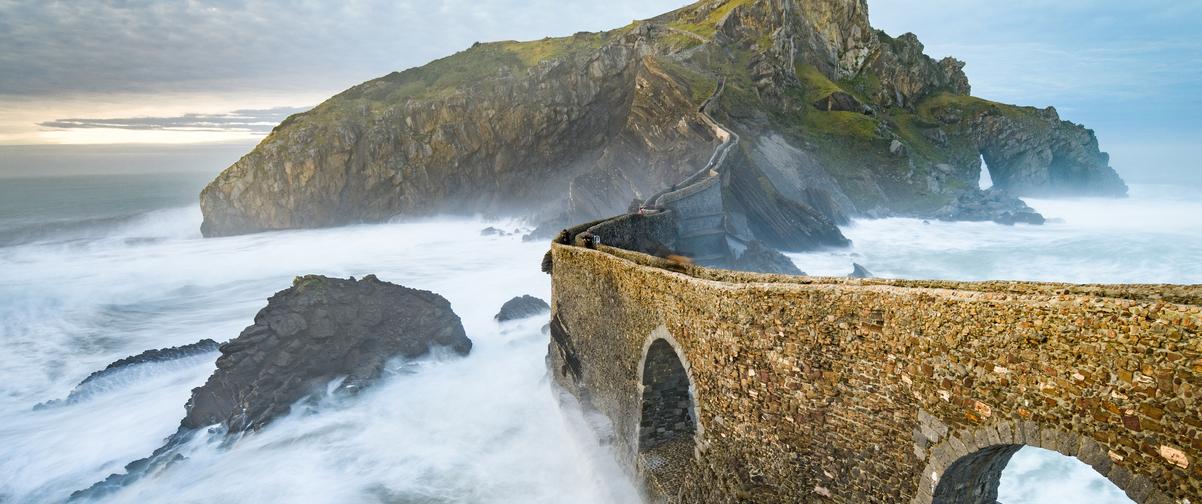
(836, 120)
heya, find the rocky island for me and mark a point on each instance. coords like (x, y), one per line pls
(835, 120)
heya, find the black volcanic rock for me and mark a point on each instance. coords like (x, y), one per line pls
(858, 271)
(522, 307)
(318, 330)
(201, 347)
(160, 355)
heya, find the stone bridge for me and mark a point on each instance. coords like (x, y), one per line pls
(725, 387)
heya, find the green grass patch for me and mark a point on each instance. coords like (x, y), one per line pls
(862, 86)
(705, 25)
(537, 51)
(450, 75)
(816, 85)
(840, 124)
(700, 86)
(970, 106)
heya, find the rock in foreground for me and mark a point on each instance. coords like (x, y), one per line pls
(314, 332)
(201, 347)
(522, 307)
(310, 334)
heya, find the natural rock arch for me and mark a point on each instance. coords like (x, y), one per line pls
(966, 468)
(668, 429)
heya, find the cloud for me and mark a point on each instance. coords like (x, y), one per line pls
(1116, 65)
(254, 121)
(101, 46)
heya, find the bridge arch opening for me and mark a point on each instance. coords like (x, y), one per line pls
(1068, 465)
(668, 425)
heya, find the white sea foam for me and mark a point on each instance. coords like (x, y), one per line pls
(1155, 236)
(483, 429)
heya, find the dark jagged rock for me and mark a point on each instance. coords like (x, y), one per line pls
(201, 347)
(573, 129)
(820, 199)
(162, 458)
(313, 332)
(310, 334)
(160, 355)
(907, 75)
(989, 205)
(759, 258)
(778, 221)
(1032, 152)
(492, 231)
(522, 307)
(858, 271)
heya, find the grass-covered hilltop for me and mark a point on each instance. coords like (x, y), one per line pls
(835, 119)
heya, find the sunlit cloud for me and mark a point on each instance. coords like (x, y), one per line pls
(60, 57)
(250, 121)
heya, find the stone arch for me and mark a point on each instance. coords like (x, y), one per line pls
(966, 467)
(669, 429)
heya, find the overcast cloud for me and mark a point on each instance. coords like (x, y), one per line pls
(152, 46)
(259, 121)
(1131, 70)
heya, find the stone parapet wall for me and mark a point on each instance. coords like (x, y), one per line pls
(836, 390)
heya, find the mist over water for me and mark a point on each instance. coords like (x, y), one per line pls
(1154, 236)
(482, 429)
(486, 428)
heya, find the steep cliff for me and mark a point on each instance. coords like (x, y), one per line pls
(571, 129)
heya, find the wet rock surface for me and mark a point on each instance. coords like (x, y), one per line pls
(990, 205)
(201, 347)
(522, 307)
(318, 330)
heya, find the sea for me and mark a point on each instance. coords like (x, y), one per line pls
(99, 267)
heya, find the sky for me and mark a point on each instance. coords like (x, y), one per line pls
(165, 73)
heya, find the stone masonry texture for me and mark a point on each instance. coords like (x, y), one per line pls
(885, 391)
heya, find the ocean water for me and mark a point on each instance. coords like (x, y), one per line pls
(1154, 236)
(95, 269)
